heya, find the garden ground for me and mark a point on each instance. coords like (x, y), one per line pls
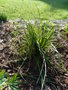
(8, 58)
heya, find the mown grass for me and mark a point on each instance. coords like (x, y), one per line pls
(31, 9)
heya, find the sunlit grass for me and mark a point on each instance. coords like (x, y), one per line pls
(31, 9)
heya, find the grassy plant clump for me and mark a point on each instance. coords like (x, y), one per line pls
(7, 82)
(3, 17)
(33, 44)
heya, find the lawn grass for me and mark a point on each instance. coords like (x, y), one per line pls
(31, 9)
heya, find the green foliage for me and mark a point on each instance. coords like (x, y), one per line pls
(3, 17)
(7, 82)
(35, 42)
(32, 36)
(66, 29)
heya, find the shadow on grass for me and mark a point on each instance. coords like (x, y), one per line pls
(60, 4)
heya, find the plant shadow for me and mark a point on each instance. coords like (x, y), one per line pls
(59, 4)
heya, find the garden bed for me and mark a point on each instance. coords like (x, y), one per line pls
(9, 58)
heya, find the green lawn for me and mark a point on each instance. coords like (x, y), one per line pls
(30, 9)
